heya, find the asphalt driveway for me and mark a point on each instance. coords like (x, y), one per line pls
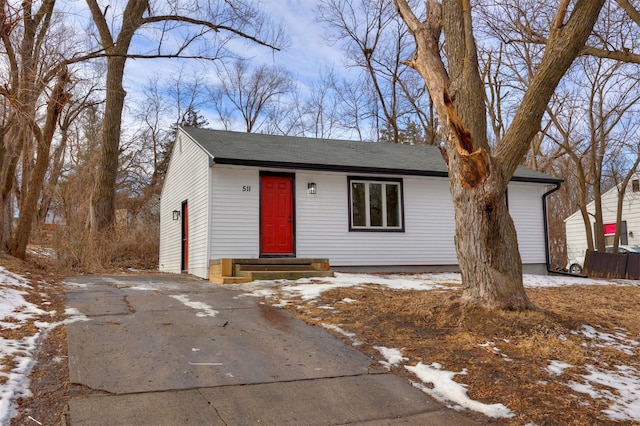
(173, 350)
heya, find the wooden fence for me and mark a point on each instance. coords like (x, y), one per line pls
(608, 265)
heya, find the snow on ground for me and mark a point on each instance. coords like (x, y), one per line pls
(451, 393)
(311, 288)
(624, 403)
(205, 310)
(392, 356)
(336, 328)
(15, 312)
(624, 380)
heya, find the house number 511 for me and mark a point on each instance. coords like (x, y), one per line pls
(246, 188)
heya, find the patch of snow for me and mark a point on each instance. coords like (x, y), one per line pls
(73, 284)
(9, 278)
(556, 367)
(619, 340)
(143, 288)
(45, 252)
(543, 281)
(13, 306)
(337, 329)
(451, 393)
(491, 347)
(621, 388)
(393, 356)
(206, 310)
(74, 315)
(311, 288)
(17, 380)
(348, 300)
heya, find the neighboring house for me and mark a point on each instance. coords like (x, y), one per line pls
(629, 227)
(367, 206)
(53, 219)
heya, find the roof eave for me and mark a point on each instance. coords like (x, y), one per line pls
(360, 169)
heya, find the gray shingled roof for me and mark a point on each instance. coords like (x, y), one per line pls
(329, 154)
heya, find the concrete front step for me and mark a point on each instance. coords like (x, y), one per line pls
(230, 270)
(218, 279)
(272, 267)
(283, 275)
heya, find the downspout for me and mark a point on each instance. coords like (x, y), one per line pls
(547, 251)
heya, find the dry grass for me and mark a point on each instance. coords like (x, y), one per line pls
(77, 250)
(506, 354)
(49, 377)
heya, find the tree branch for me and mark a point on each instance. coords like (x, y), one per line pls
(624, 56)
(631, 11)
(207, 24)
(566, 44)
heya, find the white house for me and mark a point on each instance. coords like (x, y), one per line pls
(368, 206)
(630, 225)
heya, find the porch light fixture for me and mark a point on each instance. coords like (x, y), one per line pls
(176, 214)
(311, 188)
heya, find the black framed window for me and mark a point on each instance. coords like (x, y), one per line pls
(375, 204)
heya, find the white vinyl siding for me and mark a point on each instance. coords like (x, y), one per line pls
(235, 212)
(322, 220)
(525, 208)
(322, 224)
(187, 179)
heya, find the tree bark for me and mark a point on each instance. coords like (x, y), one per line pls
(27, 82)
(30, 203)
(103, 195)
(104, 190)
(486, 239)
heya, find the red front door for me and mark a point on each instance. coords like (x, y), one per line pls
(276, 215)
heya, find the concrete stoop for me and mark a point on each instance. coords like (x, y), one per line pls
(237, 271)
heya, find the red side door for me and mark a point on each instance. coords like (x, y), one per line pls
(276, 215)
(185, 237)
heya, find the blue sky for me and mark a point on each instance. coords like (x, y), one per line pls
(306, 56)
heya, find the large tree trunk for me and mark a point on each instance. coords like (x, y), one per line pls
(486, 239)
(104, 190)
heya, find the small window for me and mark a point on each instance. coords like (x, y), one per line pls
(635, 185)
(375, 204)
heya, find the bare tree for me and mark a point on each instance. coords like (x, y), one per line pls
(249, 92)
(83, 97)
(591, 105)
(33, 42)
(167, 104)
(375, 41)
(329, 108)
(212, 22)
(485, 237)
(58, 98)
